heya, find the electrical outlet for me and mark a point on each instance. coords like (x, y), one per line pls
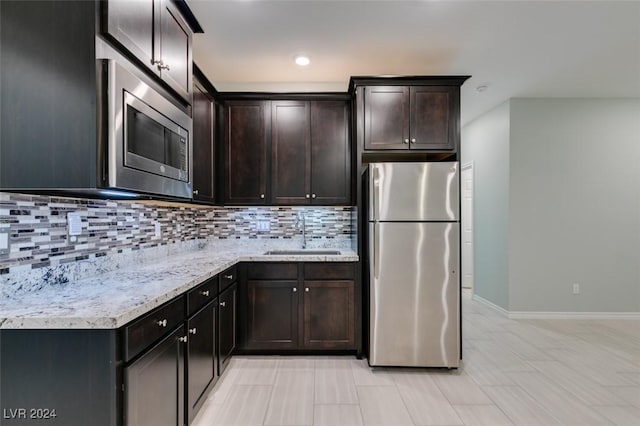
(4, 241)
(74, 226)
(263, 225)
(576, 288)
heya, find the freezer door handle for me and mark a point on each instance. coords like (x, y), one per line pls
(374, 190)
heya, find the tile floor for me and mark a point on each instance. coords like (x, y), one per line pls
(524, 372)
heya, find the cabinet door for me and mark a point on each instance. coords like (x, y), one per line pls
(227, 331)
(175, 50)
(386, 117)
(272, 314)
(132, 24)
(330, 153)
(433, 117)
(290, 153)
(245, 154)
(154, 384)
(329, 318)
(203, 144)
(202, 358)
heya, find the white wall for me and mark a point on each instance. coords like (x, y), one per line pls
(574, 205)
(485, 141)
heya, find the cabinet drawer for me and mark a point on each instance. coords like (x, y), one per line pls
(329, 270)
(272, 271)
(152, 326)
(228, 277)
(202, 294)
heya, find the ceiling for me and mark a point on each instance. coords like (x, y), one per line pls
(517, 48)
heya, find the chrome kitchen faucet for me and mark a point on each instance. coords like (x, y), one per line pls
(301, 220)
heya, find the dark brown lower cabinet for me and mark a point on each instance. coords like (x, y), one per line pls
(202, 357)
(272, 314)
(156, 370)
(227, 325)
(154, 384)
(298, 306)
(329, 314)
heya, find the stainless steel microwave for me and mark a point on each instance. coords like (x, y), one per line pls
(147, 142)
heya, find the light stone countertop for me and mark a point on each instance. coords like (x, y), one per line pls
(112, 299)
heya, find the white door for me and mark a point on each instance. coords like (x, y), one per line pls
(467, 225)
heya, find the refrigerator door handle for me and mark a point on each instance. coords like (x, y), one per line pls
(376, 249)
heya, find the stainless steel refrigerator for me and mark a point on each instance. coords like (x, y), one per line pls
(414, 286)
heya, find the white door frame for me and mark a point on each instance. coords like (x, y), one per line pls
(470, 263)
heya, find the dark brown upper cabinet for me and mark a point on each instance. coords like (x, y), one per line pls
(245, 157)
(204, 153)
(386, 117)
(155, 33)
(419, 115)
(330, 153)
(290, 153)
(310, 153)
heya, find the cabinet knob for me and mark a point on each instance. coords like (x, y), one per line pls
(313, 195)
(295, 289)
(183, 339)
(413, 140)
(205, 293)
(163, 66)
(405, 141)
(195, 191)
(306, 196)
(223, 304)
(261, 195)
(306, 289)
(192, 330)
(162, 323)
(229, 277)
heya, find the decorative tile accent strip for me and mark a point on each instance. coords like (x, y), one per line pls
(38, 233)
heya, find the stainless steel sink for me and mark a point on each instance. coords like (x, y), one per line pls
(300, 252)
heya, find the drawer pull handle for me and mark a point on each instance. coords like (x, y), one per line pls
(223, 304)
(192, 330)
(229, 277)
(162, 323)
(205, 293)
(183, 339)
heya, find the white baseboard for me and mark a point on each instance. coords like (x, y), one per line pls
(490, 304)
(556, 315)
(574, 315)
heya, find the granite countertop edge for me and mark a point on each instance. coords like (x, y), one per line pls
(42, 318)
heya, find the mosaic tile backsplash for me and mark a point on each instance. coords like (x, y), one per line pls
(38, 233)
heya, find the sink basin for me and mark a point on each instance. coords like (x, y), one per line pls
(301, 252)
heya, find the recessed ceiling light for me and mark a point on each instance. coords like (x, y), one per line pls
(302, 60)
(481, 88)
